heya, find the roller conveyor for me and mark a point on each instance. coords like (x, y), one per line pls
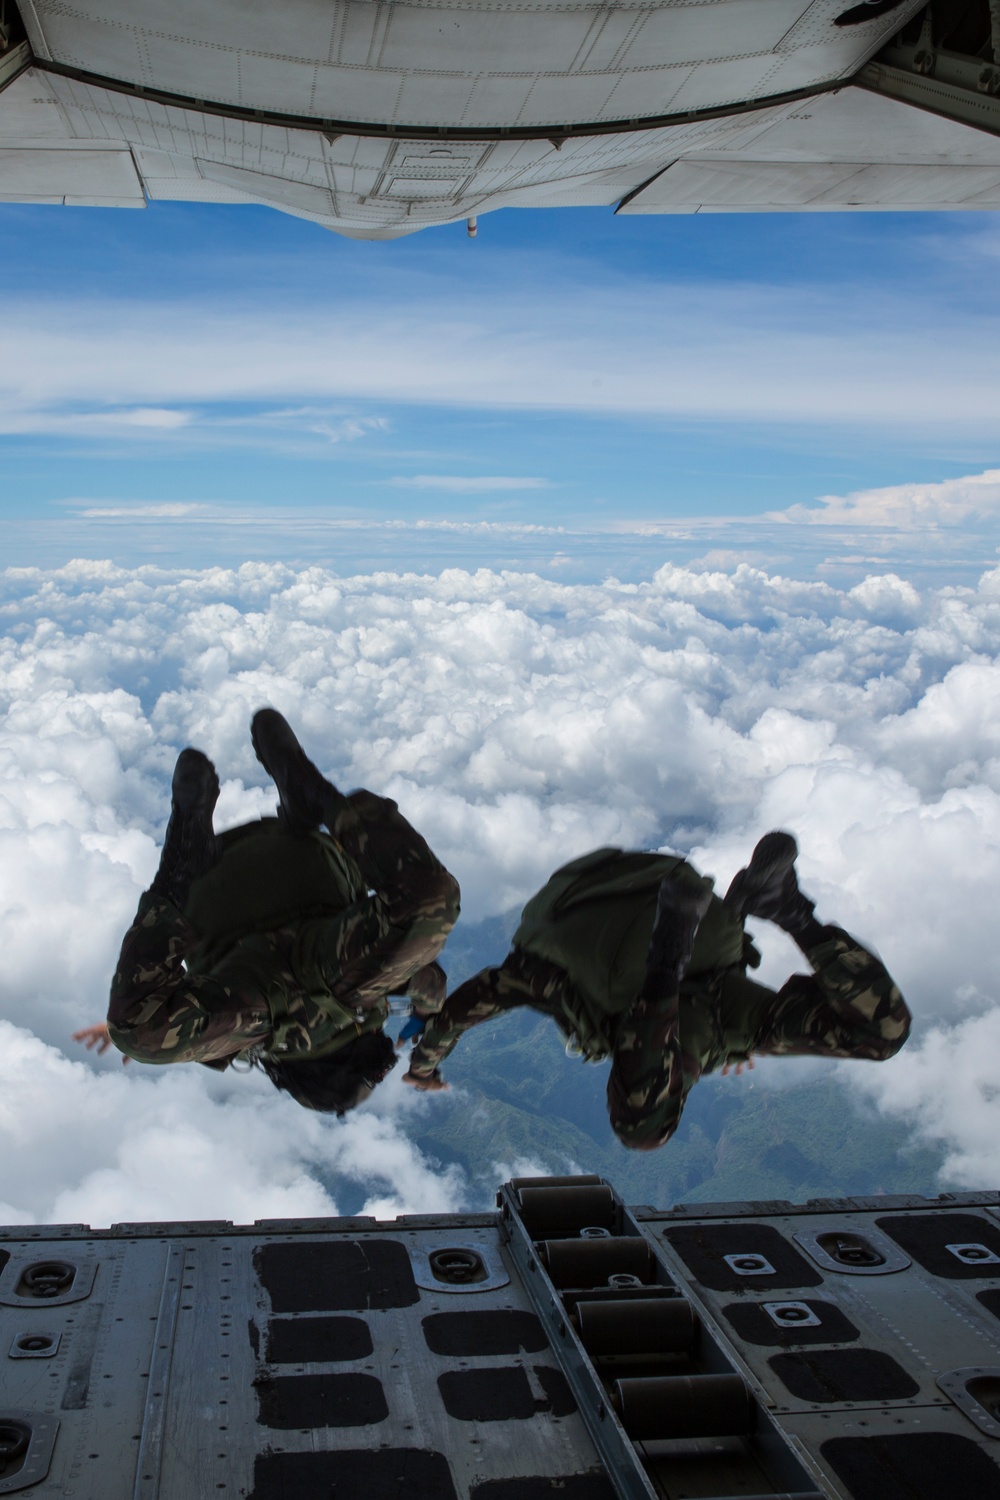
(690, 1424)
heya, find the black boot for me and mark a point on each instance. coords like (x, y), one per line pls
(189, 847)
(307, 799)
(679, 910)
(768, 887)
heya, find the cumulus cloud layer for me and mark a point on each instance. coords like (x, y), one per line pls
(88, 1147)
(518, 722)
(929, 532)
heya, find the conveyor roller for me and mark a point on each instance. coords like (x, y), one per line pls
(646, 1325)
(583, 1179)
(567, 1210)
(684, 1406)
(590, 1262)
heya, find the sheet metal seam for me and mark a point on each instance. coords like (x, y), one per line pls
(540, 131)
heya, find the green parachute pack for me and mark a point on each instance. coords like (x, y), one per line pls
(266, 879)
(594, 918)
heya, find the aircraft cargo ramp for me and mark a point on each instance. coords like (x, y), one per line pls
(564, 1348)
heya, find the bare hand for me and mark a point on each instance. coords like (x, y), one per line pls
(97, 1036)
(737, 1068)
(432, 1084)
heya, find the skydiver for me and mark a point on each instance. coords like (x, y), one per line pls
(263, 943)
(636, 959)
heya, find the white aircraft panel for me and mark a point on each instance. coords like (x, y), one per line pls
(217, 24)
(29, 111)
(731, 82)
(208, 72)
(649, 93)
(302, 196)
(422, 187)
(52, 174)
(694, 184)
(924, 186)
(584, 192)
(814, 28)
(502, 39)
(416, 161)
(84, 40)
(197, 190)
(299, 28)
(740, 183)
(590, 96)
(312, 89)
(500, 99)
(803, 67)
(707, 33)
(608, 39)
(425, 100)
(488, 64)
(855, 125)
(358, 29)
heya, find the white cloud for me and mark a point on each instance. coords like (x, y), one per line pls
(788, 355)
(974, 497)
(518, 722)
(151, 416)
(946, 1087)
(80, 1145)
(151, 510)
(96, 421)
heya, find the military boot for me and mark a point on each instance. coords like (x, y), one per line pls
(679, 910)
(306, 798)
(768, 887)
(189, 847)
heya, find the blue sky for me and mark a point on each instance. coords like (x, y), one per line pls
(261, 378)
(657, 401)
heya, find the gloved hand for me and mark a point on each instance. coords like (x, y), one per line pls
(413, 1028)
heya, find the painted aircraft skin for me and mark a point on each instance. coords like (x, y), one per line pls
(375, 118)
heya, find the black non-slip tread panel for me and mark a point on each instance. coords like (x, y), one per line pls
(498, 1331)
(990, 1300)
(825, 1375)
(553, 1383)
(504, 1394)
(4, 1258)
(913, 1466)
(703, 1246)
(542, 1487)
(348, 1474)
(924, 1237)
(302, 1341)
(297, 1401)
(753, 1325)
(336, 1275)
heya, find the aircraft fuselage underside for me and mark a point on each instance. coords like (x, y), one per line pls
(376, 119)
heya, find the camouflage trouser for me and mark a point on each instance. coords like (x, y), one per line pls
(161, 1013)
(848, 1007)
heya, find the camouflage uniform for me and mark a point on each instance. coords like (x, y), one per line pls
(162, 1012)
(662, 1044)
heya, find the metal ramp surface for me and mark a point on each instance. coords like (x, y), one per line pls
(565, 1348)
